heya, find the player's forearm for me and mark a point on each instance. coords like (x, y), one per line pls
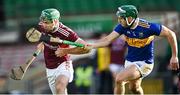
(101, 43)
(173, 43)
(76, 50)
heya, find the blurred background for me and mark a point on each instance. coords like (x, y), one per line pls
(90, 19)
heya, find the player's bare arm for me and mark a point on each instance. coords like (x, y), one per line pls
(106, 40)
(75, 50)
(171, 37)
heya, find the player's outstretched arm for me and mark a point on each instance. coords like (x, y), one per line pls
(171, 37)
(75, 50)
(105, 41)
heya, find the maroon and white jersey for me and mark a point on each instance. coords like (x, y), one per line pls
(118, 50)
(64, 33)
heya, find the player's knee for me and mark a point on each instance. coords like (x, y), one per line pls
(60, 87)
(119, 81)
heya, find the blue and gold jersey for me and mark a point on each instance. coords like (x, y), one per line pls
(140, 40)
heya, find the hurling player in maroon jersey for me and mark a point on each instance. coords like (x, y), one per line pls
(59, 67)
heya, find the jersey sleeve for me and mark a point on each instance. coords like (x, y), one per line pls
(118, 29)
(155, 29)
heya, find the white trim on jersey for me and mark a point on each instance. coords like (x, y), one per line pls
(64, 32)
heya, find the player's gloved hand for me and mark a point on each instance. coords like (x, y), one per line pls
(174, 63)
(45, 38)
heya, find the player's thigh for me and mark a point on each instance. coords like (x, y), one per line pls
(64, 73)
(65, 69)
(133, 84)
(129, 73)
(62, 81)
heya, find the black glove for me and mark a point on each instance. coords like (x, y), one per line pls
(45, 38)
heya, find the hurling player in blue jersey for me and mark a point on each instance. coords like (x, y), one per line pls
(139, 35)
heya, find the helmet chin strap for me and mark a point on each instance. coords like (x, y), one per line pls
(131, 23)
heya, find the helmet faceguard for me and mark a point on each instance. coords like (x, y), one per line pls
(126, 11)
